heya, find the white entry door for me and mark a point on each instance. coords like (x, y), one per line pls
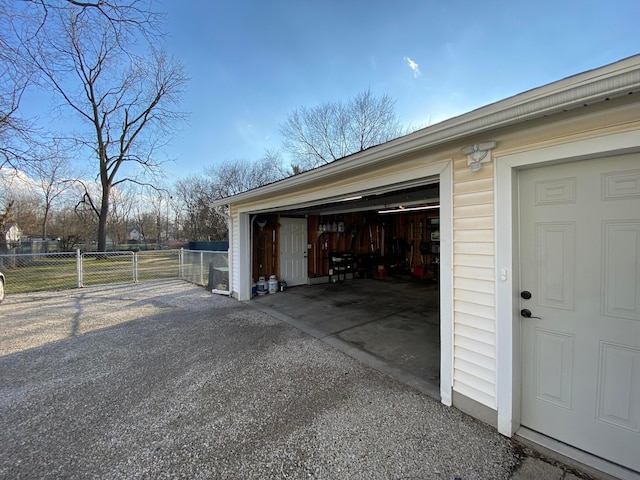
(580, 263)
(293, 250)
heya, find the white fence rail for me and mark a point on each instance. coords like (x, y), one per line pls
(31, 272)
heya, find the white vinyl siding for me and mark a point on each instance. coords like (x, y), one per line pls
(465, 283)
(476, 297)
(474, 363)
(465, 386)
(476, 322)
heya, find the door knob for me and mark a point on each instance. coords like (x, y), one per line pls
(526, 313)
(525, 294)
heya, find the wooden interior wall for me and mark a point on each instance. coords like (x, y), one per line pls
(388, 236)
(392, 240)
(265, 250)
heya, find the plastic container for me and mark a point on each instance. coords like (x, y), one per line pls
(261, 286)
(273, 284)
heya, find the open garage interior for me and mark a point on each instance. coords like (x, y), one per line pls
(363, 272)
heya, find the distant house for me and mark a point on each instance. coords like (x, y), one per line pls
(13, 234)
(528, 210)
(135, 235)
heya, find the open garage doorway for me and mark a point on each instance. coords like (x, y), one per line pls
(373, 268)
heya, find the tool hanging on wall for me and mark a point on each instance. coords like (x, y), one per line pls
(425, 245)
(354, 233)
(273, 251)
(420, 246)
(320, 245)
(315, 261)
(320, 254)
(411, 245)
(261, 223)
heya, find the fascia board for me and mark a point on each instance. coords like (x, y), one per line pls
(613, 80)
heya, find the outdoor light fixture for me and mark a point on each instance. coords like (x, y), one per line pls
(400, 208)
(478, 153)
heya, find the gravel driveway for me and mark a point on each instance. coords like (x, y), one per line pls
(164, 380)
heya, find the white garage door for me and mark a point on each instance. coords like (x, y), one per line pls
(580, 263)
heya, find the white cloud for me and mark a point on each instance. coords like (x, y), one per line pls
(16, 181)
(413, 66)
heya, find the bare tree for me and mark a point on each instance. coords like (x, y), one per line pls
(315, 136)
(18, 191)
(52, 175)
(126, 101)
(237, 176)
(16, 74)
(72, 226)
(121, 213)
(15, 132)
(200, 221)
(26, 213)
(155, 216)
(22, 23)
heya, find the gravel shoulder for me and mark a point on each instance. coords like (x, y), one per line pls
(165, 380)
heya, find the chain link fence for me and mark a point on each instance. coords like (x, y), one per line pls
(31, 272)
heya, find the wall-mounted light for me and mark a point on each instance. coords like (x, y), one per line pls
(478, 153)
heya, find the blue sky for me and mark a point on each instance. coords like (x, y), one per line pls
(252, 62)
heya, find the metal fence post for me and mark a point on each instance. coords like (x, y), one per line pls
(78, 268)
(201, 268)
(134, 265)
(181, 263)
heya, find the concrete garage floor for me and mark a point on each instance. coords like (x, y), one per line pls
(392, 324)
